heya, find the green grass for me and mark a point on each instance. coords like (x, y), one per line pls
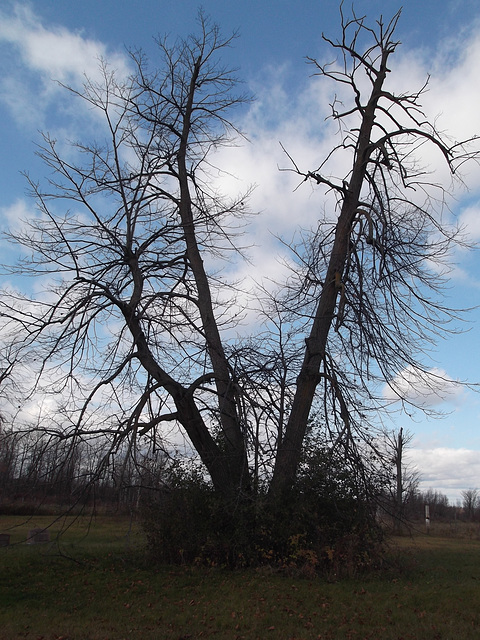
(100, 587)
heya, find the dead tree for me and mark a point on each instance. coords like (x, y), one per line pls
(365, 276)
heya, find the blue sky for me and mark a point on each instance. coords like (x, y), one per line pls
(45, 40)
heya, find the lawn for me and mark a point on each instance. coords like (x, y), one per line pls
(96, 584)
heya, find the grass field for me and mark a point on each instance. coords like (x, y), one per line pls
(95, 584)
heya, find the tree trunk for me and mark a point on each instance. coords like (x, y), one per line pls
(289, 451)
(234, 444)
(399, 484)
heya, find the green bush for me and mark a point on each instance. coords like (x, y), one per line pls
(325, 524)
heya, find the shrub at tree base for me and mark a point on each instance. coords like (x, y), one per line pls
(335, 535)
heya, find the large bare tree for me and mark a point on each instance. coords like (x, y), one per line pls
(370, 275)
(134, 330)
(131, 320)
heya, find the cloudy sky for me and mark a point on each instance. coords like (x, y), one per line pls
(44, 41)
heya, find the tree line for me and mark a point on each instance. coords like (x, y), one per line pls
(34, 473)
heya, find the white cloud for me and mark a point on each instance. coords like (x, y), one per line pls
(44, 55)
(470, 220)
(14, 215)
(423, 388)
(14, 219)
(56, 52)
(451, 97)
(449, 471)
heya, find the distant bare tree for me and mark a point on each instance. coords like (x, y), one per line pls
(471, 502)
(399, 479)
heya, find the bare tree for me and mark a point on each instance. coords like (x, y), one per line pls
(471, 502)
(132, 302)
(399, 480)
(370, 276)
(133, 332)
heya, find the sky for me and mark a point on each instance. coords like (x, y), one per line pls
(44, 41)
